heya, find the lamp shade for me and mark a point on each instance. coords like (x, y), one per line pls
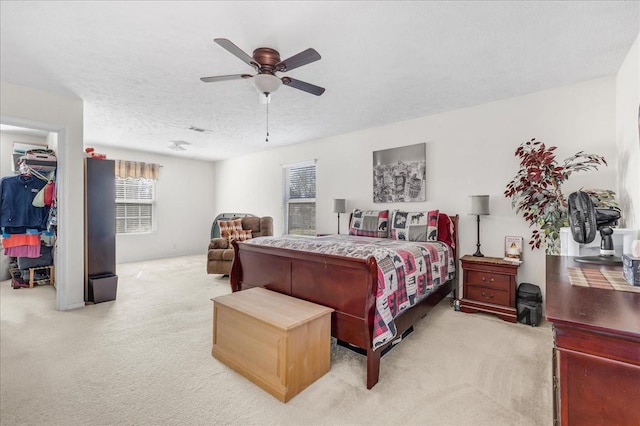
(339, 205)
(266, 83)
(479, 205)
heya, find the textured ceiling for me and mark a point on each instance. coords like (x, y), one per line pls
(137, 65)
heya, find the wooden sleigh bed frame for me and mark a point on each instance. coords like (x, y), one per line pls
(348, 285)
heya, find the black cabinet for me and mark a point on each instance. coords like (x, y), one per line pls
(100, 229)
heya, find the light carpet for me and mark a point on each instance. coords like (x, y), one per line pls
(145, 359)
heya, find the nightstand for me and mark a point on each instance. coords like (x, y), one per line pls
(489, 285)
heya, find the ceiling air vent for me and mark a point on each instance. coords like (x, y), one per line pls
(199, 129)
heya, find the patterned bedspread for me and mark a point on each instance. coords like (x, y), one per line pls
(408, 271)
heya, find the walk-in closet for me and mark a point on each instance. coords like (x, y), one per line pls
(28, 211)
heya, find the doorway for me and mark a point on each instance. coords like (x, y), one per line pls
(15, 140)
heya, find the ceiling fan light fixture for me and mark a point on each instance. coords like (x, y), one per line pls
(266, 83)
(266, 61)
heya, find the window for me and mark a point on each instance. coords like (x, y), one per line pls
(135, 200)
(300, 198)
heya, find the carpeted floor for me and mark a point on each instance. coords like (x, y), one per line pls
(145, 359)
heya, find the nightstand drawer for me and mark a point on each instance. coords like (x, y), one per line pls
(487, 295)
(489, 279)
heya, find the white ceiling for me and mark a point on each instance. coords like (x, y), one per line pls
(137, 65)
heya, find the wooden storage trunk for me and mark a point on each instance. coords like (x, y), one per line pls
(280, 343)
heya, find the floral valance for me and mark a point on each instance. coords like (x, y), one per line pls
(136, 169)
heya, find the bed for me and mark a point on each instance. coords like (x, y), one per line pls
(351, 273)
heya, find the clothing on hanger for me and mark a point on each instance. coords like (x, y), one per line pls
(16, 198)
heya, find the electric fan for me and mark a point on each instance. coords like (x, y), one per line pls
(585, 219)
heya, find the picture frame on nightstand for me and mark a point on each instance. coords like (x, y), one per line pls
(513, 248)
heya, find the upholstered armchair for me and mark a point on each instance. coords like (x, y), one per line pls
(220, 253)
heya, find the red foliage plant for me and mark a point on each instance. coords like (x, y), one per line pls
(536, 191)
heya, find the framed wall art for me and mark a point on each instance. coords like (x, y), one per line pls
(399, 174)
(513, 248)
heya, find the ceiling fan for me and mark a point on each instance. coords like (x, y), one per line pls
(267, 63)
(178, 145)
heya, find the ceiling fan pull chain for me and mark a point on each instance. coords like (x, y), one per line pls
(267, 139)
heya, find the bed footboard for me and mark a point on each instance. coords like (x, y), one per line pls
(348, 285)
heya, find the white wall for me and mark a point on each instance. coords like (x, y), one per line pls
(469, 151)
(27, 107)
(6, 169)
(627, 135)
(184, 208)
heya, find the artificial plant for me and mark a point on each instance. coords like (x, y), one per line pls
(536, 190)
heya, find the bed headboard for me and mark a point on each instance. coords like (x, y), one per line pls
(454, 220)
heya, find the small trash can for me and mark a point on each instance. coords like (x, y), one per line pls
(103, 288)
(529, 304)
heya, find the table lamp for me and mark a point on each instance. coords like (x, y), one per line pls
(339, 206)
(479, 207)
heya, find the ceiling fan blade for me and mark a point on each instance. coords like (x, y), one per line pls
(235, 50)
(304, 86)
(302, 58)
(224, 77)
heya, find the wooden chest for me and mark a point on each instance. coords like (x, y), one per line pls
(280, 343)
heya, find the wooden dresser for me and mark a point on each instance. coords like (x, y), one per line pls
(596, 349)
(489, 285)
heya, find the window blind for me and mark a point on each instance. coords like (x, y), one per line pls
(300, 198)
(134, 205)
(133, 218)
